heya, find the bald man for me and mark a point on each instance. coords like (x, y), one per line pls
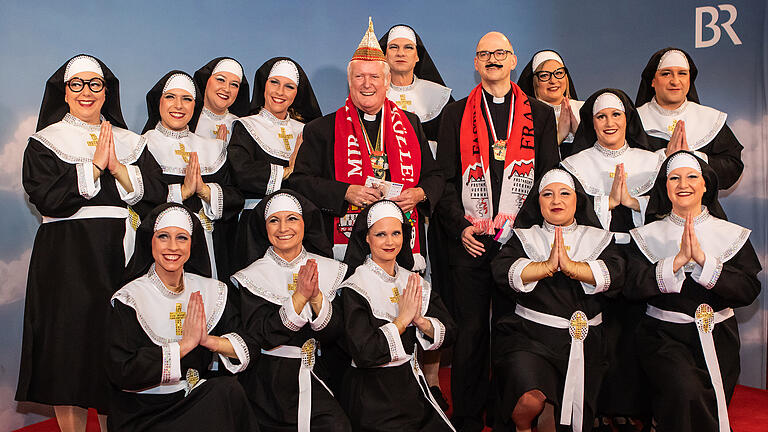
(493, 145)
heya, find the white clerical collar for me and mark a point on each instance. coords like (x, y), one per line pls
(74, 121)
(586, 243)
(609, 153)
(282, 262)
(273, 278)
(718, 238)
(404, 88)
(382, 291)
(172, 133)
(369, 117)
(153, 302)
(498, 100)
(74, 141)
(594, 168)
(702, 123)
(212, 115)
(267, 115)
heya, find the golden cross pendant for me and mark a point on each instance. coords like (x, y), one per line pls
(396, 295)
(285, 139)
(178, 316)
(216, 131)
(94, 140)
(671, 128)
(567, 248)
(292, 286)
(184, 154)
(403, 102)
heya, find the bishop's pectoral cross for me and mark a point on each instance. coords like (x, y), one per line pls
(178, 317)
(396, 295)
(292, 286)
(403, 102)
(671, 128)
(184, 154)
(285, 139)
(94, 140)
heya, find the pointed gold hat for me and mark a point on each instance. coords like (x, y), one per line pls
(369, 48)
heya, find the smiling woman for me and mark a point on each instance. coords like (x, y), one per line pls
(86, 175)
(225, 97)
(195, 168)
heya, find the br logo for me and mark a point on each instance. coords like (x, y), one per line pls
(714, 28)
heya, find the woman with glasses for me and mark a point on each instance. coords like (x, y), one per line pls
(547, 79)
(86, 174)
(195, 168)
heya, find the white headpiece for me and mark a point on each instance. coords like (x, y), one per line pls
(383, 209)
(673, 58)
(282, 202)
(607, 100)
(683, 160)
(180, 81)
(285, 68)
(174, 217)
(556, 175)
(228, 65)
(543, 56)
(82, 63)
(404, 32)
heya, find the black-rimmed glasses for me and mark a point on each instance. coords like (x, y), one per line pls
(77, 85)
(558, 73)
(499, 54)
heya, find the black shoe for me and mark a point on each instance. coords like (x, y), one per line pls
(439, 398)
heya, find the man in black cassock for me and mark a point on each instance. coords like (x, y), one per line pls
(338, 156)
(491, 145)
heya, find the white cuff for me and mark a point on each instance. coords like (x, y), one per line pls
(601, 275)
(324, 317)
(291, 320)
(241, 350)
(396, 350)
(275, 178)
(638, 217)
(669, 282)
(134, 176)
(171, 363)
(708, 275)
(86, 185)
(174, 193)
(514, 276)
(701, 155)
(438, 330)
(602, 208)
(215, 209)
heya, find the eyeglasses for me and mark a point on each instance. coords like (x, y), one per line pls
(77, 85)
(559, 73)
(499, 54)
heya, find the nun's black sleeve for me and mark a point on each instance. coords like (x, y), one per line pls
(251, 169)
(725, 157)
(366, 343)
(232, 198)
(264, 324)
(155, 190)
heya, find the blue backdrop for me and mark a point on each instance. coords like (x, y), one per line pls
(605, 44)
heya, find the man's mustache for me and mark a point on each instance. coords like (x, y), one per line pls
(490, 65)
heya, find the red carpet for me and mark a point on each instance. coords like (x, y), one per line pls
(748, 410)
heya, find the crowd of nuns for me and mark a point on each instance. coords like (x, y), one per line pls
(179, 282)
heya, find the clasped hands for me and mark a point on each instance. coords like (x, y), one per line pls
(678, 141)
(410, 308)
(566, 123)
(307, 288)
(195, 329)
(619, 194)
(690, 249)
(193, 180)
